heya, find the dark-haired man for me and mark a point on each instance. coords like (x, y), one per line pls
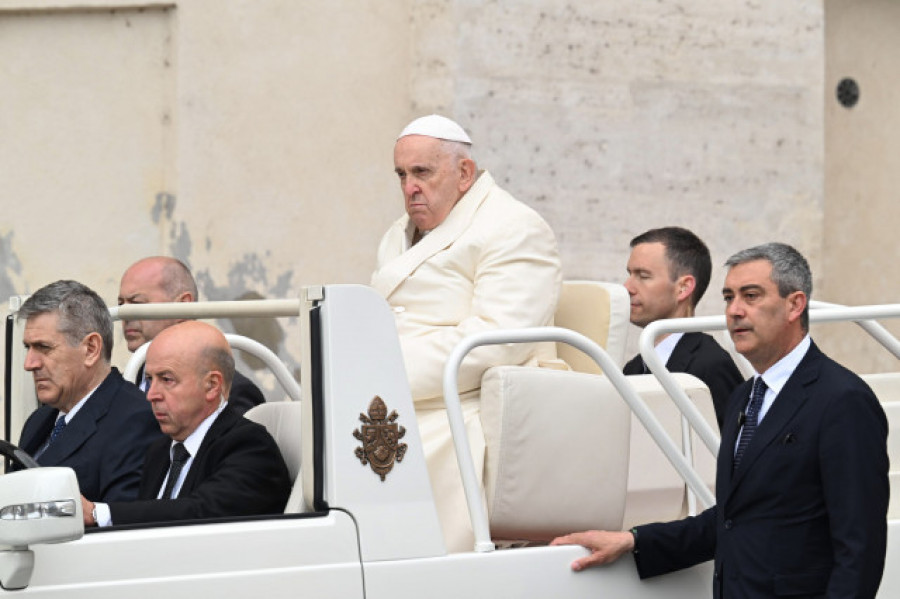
(802, 484)
(668, 272)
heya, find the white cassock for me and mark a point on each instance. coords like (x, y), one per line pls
(492, 264)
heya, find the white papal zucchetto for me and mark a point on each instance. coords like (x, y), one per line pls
(437, 126)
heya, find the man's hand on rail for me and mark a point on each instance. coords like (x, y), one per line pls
(605, 546)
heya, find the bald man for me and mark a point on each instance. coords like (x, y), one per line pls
(466, 257)
(214, 463)
(159, 279)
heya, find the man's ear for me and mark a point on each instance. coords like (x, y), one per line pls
(797, 301)
(213, 385)
(185, 296)
(467, 172)
(685, 286)
(93, 348)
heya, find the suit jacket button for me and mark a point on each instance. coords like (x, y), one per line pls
(728, 524)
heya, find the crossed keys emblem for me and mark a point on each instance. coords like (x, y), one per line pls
(380, 435)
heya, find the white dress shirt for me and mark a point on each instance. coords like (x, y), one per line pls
(775, 378)
(192, 444)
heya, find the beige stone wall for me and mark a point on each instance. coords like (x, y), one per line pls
(614, 117)
(253, 138)
(862, 172)
(250, 139)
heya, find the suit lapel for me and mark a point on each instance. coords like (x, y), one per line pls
(83, 425)
(226, 419)
(398, 269)
(792, 397)
(39, 430)
(731, 429)
(156, 466)
(683, 353)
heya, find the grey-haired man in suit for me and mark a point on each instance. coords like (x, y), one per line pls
(802, 479)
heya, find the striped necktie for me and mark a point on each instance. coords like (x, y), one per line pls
(752, 420)
(57, 429)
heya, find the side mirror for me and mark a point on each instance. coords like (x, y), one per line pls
(39, 505)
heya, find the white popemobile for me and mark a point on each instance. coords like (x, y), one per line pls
(361, 521)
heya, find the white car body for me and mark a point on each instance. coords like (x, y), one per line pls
(361, 536)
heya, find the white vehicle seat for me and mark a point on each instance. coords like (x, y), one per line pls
(282, 420)
(548, 430)
(886, 386)
(555, 446)
(535, 419)
(600, 311)
(656, 492)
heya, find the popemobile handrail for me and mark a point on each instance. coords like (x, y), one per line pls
(477, 513)
(224, 309)
(875, 329)
(819, 312)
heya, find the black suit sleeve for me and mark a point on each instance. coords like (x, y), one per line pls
(121, 465)
(670, 546)
(854, 467)
(241, 474)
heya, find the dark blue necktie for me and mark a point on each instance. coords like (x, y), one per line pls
(57, 429)
(752, 420)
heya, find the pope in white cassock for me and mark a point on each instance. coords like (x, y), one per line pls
(466, 257)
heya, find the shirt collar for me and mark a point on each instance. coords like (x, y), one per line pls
(71, 413)
(665, 347)
(778, 374)
(192, 443)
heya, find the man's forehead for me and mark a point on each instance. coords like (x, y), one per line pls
(142, 276)
(648, 254)
(418, 148)
(757, 273)
(165, 360)
(43, 323)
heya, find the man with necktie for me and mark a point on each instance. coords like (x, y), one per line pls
(91, 419)
(802, 478)
(213, 462)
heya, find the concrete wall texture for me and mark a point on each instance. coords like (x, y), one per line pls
(253, 139)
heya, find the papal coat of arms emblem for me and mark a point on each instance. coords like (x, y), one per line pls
(380, 435)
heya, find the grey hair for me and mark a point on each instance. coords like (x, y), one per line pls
(81, 312)
(457, 149)
(221, 359)
(790, 270)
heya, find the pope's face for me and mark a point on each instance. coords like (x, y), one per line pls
(432, 179)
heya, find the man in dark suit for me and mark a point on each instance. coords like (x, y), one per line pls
(668, 272)
(214, 463)
(163, 279)
(802, 479)
(92, 420)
